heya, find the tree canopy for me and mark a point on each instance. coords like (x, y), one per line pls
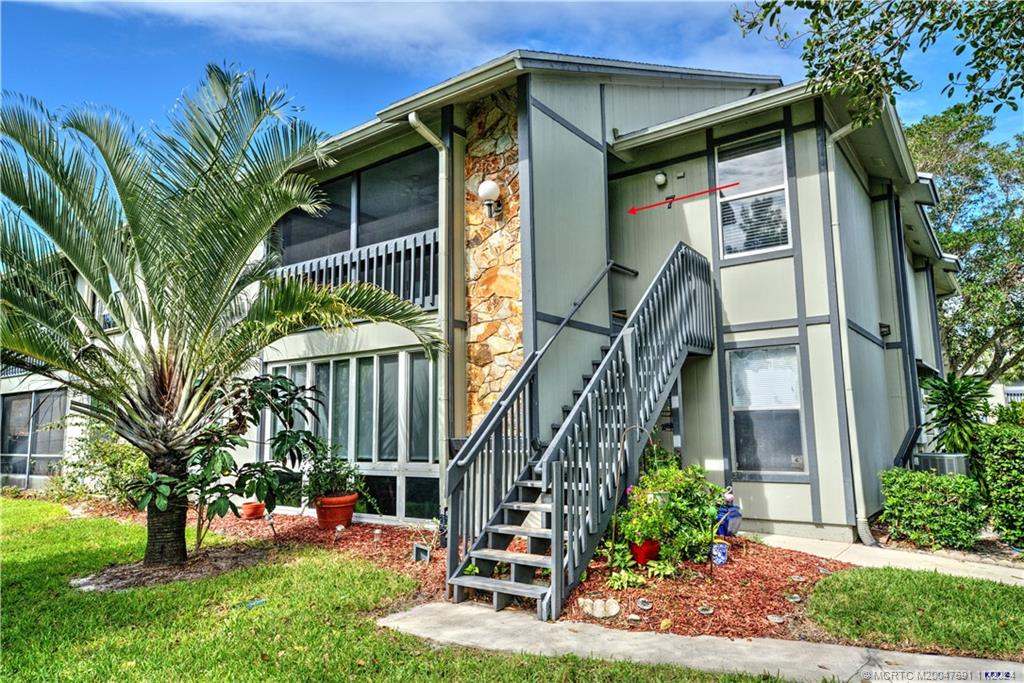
(980, 217)
(857, 48)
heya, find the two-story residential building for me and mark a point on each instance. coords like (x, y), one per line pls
(774, 328)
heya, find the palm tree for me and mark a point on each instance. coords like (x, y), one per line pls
(165, 232)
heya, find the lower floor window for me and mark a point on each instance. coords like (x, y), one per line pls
(765, 409)
(31, 439)
(378, 411)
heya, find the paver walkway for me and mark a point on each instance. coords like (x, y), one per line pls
(510, 630)
(869, 556)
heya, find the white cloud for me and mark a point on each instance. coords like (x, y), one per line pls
(442, 38)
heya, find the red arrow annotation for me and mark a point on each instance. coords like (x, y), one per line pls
(634, 210)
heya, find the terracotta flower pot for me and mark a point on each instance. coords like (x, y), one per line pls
(253, 510)
(334, 510)
(645, 552)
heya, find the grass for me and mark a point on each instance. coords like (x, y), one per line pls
(316, 624)
(898, 608)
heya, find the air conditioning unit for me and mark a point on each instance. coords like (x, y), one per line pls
(943, 463)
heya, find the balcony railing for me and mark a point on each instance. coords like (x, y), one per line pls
(406, 266)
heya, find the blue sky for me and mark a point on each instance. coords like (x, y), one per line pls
(344, 61)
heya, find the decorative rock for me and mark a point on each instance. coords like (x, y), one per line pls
(793, 597)
(797, 578)
(586, 605)
(706, 611)
(605, 609)
(644, 604)
(633, 618)
(666, 624)
(824, 571)
(776, 619)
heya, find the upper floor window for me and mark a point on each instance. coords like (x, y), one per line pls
(765, 407)
(753, 214)
(382, 202)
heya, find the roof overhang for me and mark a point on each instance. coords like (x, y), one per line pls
(706, 118)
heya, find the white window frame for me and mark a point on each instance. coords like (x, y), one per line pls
(34, 396)
(799, 407)
(400, 468)
(784, 186)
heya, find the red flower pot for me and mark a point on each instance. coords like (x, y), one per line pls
(253, 510)
(645, 552)
(334, 510)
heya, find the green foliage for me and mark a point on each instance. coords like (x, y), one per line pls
(98, 464)
(624, 578)
(1001, 453)
(328, 475)
(661, 569)
(979, 217)
(692, 501)
(1012, 414)
(857, 48)
(892, 608)
(617, 554)
(646, 517)
(656, 456)
(471, 569)
(932, 510)
(956, 406)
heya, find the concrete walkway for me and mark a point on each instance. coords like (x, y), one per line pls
(476, 625)
(869, 556)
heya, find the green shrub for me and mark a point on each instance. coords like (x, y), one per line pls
(693, 502)
(1012, 414)
(956, 407)
(1001, 453)
(656, 456)
(98, 464)
(645, 518)
(932, 510)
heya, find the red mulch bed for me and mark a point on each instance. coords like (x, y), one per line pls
(393, 549)
(752, 585)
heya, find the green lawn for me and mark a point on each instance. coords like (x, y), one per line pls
(315, 625)
(897, 607)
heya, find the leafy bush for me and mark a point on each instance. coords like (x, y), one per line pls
(930, 509)
(1001, 453)
(98, 464)
(645, 518)
(956, 406)
(693, 502)
(1012, 414)
(624, 579)
(656, 456)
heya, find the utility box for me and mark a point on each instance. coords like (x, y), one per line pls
(943, 463)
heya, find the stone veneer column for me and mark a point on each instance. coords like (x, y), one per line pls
(494, 298)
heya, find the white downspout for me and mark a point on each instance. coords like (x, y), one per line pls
(863, 528)
(443, 304)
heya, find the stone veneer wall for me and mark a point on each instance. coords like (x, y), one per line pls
(494, 298)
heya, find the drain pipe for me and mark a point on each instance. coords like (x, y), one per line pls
(444, 304)
(863, 527)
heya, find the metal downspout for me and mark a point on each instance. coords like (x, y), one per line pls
(859, 506)
(444, 304)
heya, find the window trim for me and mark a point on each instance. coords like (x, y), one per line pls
(801, 476)
(783, 185)
(402, 467)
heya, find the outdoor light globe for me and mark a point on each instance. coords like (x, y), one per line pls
(660, 179)
(488, 191)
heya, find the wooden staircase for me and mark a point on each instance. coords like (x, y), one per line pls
(552, 501)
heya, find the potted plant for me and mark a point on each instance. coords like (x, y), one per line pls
(253, 509)
(644, 523)
(333, 485)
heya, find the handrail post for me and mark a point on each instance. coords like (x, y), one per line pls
(632, 407)
(557, 540)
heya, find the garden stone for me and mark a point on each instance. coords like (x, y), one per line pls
(605, 609)
(776, 619)
(644, 604)
(633, 618)
(586, 605)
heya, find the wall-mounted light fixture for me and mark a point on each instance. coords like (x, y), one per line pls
(884, 329)
(490, 194)
(660, 179)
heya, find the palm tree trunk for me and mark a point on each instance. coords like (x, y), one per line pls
(165, 529)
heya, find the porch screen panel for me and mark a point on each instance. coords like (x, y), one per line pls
(298, 376)
(364, 407)
(420, 402)
(339, 409)
(398, 197)
(765, 398)
(303, 237)
(753, 213)
(17, 411)
(387, 445)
